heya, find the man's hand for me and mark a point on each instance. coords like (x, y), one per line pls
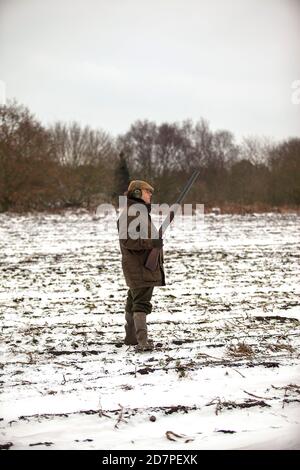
(157, 243)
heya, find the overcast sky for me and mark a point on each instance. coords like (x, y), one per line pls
(108, 63)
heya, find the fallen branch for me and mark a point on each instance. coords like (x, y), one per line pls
(256, 396)
(172, 436)
(120, 418)
(229, 405)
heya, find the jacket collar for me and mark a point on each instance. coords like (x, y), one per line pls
(136, 200)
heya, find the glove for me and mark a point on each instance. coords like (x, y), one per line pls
(157, 243)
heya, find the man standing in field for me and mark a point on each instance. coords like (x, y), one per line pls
(138, 236)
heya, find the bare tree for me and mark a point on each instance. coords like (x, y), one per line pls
(284, 162)
(139, 146)
(87, 158)
(77, 146)
(256, 149)
(26, 156)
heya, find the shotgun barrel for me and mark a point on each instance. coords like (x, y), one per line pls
(152, 259)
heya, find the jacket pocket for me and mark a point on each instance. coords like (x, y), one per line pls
(151, 276)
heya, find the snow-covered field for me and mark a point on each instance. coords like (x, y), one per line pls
(225, 373)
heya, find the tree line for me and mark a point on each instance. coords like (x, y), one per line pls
(68, 165)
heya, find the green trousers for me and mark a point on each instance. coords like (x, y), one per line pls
(138, 300)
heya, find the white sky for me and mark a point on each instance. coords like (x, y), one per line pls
(109, 62)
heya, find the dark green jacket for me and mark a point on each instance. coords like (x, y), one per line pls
(135, 251)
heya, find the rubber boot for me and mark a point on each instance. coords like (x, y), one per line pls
(140, 323)
(130, 337)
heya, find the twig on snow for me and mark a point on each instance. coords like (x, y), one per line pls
(172, 436)
(255, 396)
(238, 372)
(101, 412)
(120, 418)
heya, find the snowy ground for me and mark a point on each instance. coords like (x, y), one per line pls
(226, 370)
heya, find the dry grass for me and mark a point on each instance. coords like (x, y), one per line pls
(240, 350)
(280, 347)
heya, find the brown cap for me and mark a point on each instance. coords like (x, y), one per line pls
(139, 184)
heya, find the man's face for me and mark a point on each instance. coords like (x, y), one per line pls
(146, 195)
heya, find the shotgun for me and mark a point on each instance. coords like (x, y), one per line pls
(152, 259)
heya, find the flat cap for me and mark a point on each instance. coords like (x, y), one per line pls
(139, 184)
